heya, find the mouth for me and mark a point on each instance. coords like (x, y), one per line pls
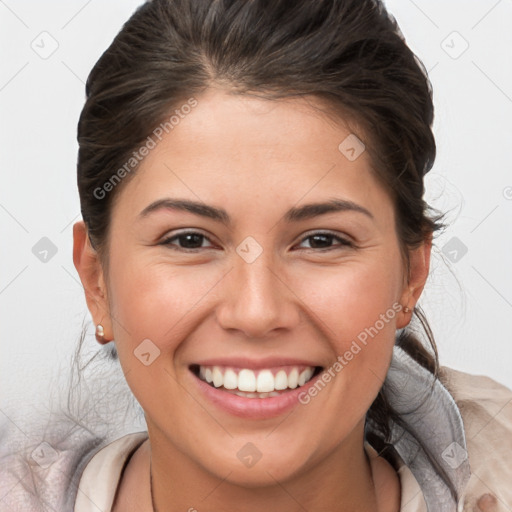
(262, 383)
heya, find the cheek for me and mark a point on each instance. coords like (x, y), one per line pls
(157, 301)
(154, 309)
(356, 307)
(355, 294)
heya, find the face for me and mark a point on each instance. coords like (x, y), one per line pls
(252, 286)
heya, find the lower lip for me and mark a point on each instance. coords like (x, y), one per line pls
(254, 408)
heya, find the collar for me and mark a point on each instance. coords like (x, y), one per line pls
(429, 436)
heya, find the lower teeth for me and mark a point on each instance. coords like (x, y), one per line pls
(245, 394)
(257, 395)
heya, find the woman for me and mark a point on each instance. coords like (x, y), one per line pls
(255, 242)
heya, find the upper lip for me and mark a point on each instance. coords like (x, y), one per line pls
(255, 364)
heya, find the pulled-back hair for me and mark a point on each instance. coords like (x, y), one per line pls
(348, 54)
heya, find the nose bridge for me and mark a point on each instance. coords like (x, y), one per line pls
(257, 300)
(258, 280)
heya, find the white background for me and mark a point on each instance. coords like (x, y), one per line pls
(469, 301)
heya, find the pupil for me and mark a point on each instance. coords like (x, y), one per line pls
(321, 240)
(191, 241)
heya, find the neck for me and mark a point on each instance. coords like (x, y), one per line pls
(346, 480)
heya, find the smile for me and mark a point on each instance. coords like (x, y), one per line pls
(261, 383)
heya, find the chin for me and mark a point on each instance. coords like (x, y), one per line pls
(252, 468)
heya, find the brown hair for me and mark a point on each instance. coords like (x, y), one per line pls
(350, 54)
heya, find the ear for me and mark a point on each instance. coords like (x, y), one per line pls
(88, 266)
(419, 265)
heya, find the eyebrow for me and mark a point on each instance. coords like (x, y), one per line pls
(295, 214)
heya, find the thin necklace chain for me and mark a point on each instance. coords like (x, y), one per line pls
(153, 506)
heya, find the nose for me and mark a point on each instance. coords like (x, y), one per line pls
(257, 300)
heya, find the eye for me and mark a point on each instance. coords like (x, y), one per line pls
(322, 240)
(186, 240)
(191, 240)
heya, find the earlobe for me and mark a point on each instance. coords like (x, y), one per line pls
(88, 266)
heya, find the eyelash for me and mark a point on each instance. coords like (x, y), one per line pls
(343, 242)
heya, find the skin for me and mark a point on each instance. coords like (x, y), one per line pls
(256, 159)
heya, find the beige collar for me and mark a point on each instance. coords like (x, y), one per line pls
(100, 478)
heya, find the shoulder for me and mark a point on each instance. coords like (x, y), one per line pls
(40, 466)
(101, 477)
(486, 409)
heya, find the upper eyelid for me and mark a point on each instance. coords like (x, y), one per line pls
(324, 232)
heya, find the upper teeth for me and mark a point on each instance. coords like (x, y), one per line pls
(264, 382)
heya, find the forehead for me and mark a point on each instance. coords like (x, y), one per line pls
(257, 150)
